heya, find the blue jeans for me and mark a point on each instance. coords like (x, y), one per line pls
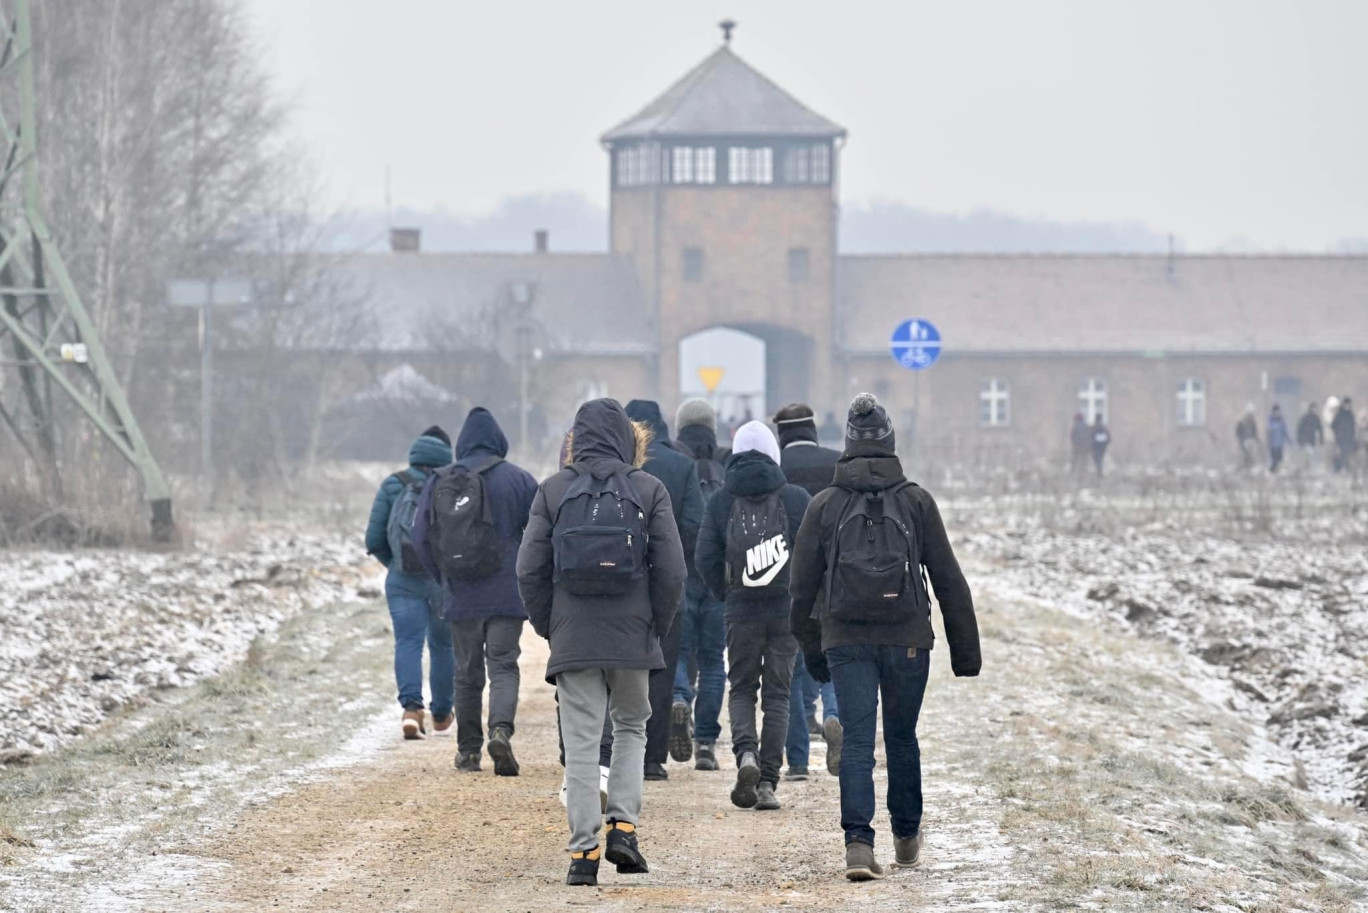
(803, 703)
(705, 636)
(415, 605)
(861, 674)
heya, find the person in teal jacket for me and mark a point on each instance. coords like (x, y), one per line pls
(415, 598)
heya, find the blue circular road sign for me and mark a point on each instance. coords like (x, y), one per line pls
(916, 344)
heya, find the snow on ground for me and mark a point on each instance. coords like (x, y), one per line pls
(84, 633)
(1284, 624)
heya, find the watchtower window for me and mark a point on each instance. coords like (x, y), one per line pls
(807, 164)
(693, 264)
(798, 264)
(693, 165)
(638, 165)
(750, 165)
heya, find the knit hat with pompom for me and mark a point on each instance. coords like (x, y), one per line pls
(868, 429)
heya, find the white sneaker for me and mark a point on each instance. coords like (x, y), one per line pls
(564, 800)
(603, 789)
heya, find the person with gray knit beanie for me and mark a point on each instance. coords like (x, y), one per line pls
(863, 545)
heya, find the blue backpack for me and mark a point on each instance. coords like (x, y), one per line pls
(399, 530)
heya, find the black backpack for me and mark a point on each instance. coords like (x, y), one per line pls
(758, 547)
(399, 529)
(874, 574)
(599, 535)
(465, 540)
(711, 477)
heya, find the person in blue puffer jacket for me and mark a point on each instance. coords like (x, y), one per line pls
(415, 598)
(487, 615)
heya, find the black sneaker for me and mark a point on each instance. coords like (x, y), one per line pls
(747, 777)
(584, 868)
(834, 736)
(501, 750)
(765, 799)
(681, 731)
(705, 756)
(796, 773)
(468, 761)
(623, 851)
(655, 771)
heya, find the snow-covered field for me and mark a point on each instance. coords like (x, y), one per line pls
(84, 633)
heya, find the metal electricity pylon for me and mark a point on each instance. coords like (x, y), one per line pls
(52, 335)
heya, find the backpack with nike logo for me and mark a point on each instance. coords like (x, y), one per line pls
(758, 547)
(875, 561)
(598, 536)
(462, 533)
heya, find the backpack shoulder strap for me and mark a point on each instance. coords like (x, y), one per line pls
(405, 477)
(495, 462)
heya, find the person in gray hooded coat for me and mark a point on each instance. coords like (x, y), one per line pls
(603, 647)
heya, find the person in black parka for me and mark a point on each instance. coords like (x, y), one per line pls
(760, 647)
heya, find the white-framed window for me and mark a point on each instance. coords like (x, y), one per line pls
(995, 403)
(638, 165)
(821, 164)
(750, 165)
(807, 164)
(693, 165)
(1092, 399)
(1191, 402)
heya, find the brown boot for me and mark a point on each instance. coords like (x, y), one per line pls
(442, 724)
(413, 725)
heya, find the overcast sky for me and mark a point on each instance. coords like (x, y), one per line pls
(1213, 119)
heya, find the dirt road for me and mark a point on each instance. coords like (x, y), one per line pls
(402, 830)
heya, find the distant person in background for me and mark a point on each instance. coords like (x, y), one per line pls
(1345, 430)
(832, 432)
(812, 468)
(477, 509)
(703, 635)
(1101, 440)
(1080, 438)
(1310, 436)
(414, 596)
(680, 477)
(1247, 437)
(1278, 438)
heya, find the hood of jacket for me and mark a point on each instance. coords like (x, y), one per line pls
(606, 439)
(700, 440)
(481, 435)
(797, 432)
(753, 473)
(648, 413)
(429, 452)
(869, 473)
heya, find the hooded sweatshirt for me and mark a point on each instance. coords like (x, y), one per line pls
(751, 472)
(865, 469)
(609, 632)
(676, 470)
(510, 491)
(426, 454)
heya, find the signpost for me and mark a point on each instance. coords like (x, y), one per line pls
(916, 345)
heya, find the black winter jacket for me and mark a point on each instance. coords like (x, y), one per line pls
(676, 470)
(805, 464)
(816, 630)
(602, 632)
(1310, 431)
(750, 473)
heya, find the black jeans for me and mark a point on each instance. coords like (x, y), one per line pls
(760, 657)
(860, 674)
(481, 642)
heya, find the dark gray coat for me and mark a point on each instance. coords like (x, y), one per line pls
(603, 632)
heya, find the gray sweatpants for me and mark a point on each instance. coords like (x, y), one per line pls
(584, 696)
(479, 641)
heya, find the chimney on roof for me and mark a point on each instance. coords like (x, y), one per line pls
(406, 240)
(541, 240)
(727, 26)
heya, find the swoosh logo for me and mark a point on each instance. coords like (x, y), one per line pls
(766, 578)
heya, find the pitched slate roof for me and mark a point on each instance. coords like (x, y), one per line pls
(724, 96)
(1110, 304)
(582, 303)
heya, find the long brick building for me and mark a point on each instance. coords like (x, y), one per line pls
(724, 277)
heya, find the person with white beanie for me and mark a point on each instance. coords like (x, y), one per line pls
(743, 556)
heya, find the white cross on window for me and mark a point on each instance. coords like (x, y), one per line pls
(1092, 399)
(1191, 402)
(993, 403)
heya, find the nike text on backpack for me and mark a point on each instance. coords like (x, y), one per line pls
(464, 537)
(875, 574)
(758, 547)
(598, 536)
(399, 529)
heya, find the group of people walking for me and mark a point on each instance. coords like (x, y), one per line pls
(1310, 436)
(661, 572)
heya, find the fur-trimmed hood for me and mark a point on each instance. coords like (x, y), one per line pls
(603, 434)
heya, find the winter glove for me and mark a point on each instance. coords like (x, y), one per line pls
(817, 666)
